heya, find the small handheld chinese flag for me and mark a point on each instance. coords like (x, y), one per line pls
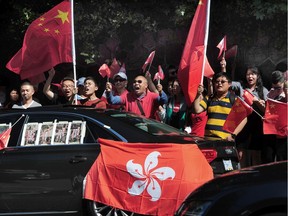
(4, 138)
(232, 52)
(148, 61)
(159, 75)
(114, 68)
(248, 97)
(239, 111)
(275, 118)
(47, 42)
(146, 178)
(222, 46)
(104, 70)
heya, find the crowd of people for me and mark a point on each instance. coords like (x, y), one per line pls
(166, 103)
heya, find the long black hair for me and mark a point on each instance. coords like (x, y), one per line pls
(259, 82)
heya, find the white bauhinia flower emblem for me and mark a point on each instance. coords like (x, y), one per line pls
(148, 178)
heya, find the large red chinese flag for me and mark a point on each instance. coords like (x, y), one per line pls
(144, 178)
(191, 64)
(239, 111)
(47, 42)
(4, 138)
(275, 118)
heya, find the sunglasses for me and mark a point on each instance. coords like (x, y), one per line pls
(137, 81)
(277, 87)
(119, 80)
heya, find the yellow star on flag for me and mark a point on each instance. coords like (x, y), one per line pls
(63, 16)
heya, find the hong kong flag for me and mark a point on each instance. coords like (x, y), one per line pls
(275, 118)
(144, 178)
(4, 138)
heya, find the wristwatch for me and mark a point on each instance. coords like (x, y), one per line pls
(233, 136)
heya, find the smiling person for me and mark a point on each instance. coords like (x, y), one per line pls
(140, 100)
(218, 106)
(67, 88)
(90, 89)
(119, 88)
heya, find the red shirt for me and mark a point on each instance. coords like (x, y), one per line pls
(97, 103)
(149, 103)
(198, 123)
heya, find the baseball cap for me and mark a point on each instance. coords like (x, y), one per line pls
(121, 74)
(80, 81)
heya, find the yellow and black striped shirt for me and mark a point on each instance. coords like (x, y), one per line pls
(217, 111)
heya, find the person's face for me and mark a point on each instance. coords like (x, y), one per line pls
(251, 78)
(120, 83)
(285, 89)
(27, 92)
(140, 85)
(90, 88)
(221, 84)
(14, 96)
(68, 88)
(176, 89)
(81, 89)
(278, 87)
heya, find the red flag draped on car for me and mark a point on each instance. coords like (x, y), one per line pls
(4, 138)
(146, 178)
(148, 61)
(222, 46)
(190, 71)
(239, 111)
(47, 42)
(275, 118)
(248, 97)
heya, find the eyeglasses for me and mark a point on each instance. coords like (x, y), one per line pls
(220, 81)
(137, 81)
(67, 86)
(119, 80)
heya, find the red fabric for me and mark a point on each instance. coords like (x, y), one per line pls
(149, 103)
(198, 123)
(190, 69)
(248, 97)
(160, 74)
(114, 68)
(239, 111)
(104, 70)
(275, 118)
(148, 61)
(4, 138)
(232, 52)
(146, 178)
(47, 42)
(97, 103)
(208, 71)
(222, 46)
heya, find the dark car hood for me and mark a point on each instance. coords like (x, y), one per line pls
(238, 179)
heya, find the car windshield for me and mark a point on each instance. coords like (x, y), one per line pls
(149, 125)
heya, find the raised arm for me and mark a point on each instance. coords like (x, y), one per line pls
(46, 89)
(197, 108)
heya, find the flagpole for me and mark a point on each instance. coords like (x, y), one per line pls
(206, 38)
(73, 49)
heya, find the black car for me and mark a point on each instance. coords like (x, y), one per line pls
(256, 191)
(51, 149)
